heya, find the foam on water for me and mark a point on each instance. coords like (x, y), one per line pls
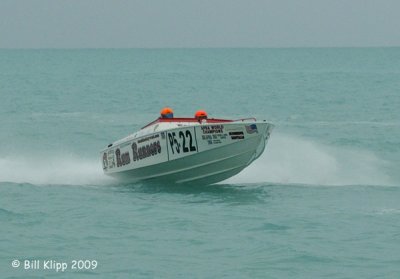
(290, 159)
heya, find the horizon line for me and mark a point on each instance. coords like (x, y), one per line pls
(155, 48)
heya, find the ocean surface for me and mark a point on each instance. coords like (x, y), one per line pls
(323, 201)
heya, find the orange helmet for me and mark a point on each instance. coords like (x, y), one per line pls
(167, 113)
(200, 114)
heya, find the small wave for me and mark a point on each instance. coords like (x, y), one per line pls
(293, 160)
(388, 211)
(4, 213)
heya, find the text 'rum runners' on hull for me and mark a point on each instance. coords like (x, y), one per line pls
(181, 150)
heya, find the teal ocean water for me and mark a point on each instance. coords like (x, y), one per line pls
(323, 201)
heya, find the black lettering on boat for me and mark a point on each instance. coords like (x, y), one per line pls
(105, 161)
(122, 159)
(191, 146)
(236, 135)
(182, 136)
(148, 138)
(173, 142)
(212, 129)
(185, 138)
(145, 151)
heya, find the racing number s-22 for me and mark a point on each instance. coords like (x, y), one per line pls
(181, 142)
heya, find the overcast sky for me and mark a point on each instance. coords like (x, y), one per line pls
(198, 23)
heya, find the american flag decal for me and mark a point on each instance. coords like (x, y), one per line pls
(251, 129)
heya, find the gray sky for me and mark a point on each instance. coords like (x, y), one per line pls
(198, 23)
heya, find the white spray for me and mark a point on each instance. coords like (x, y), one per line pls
(64, 170)
(293, 160)
(287, 159)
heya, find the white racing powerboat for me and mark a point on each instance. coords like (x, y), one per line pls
(183, 150)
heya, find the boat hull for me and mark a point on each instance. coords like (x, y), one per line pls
(203, 154)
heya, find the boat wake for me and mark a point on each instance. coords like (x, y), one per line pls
(70, 170)
(286, 160)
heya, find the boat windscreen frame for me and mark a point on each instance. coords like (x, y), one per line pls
(186, 119)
